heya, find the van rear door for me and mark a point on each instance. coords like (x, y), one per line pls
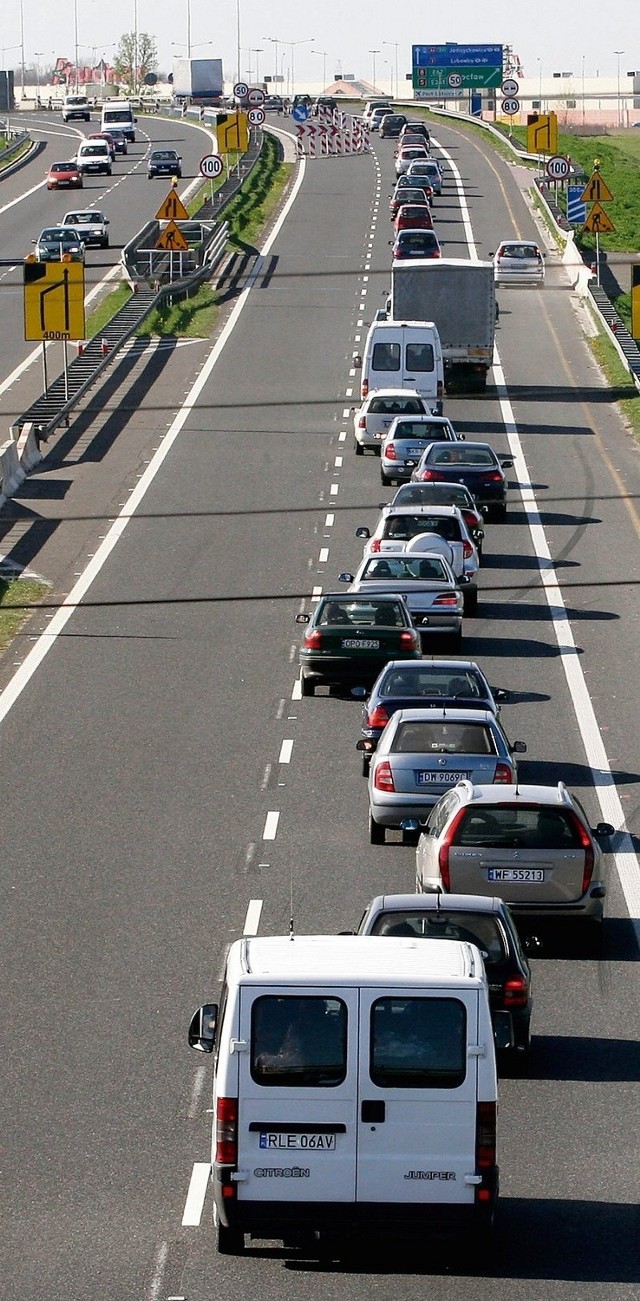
(298, 1059)
(417, 1099)
(419, 365)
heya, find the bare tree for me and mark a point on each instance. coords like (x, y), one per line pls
(131, 65)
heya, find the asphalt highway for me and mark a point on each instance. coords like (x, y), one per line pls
(148, 795)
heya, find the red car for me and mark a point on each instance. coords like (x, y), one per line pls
(104, 135)
(413, 216)
(409, 194)
(63, 174)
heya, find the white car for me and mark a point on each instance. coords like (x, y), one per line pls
(426, 169)
(438, 529)
(409, 154)
(90, 226)
(518, 262)
(376, 117)
(372, 421)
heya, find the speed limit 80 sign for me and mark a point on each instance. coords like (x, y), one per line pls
(256, 116)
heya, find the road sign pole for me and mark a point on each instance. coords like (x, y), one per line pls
(66, 370)
(597, 258)
(44, 366)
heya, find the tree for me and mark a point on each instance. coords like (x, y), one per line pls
(131, 68)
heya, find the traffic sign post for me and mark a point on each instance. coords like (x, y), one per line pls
(542, 133)
(452, 67)
(596, 192)
(255, 96)
(172, 209)
(241, 90)
(53, 301)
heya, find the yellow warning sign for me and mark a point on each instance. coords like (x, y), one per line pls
(542, 133)
(598, 222)
(171, 238)
(596, 190)
(172, 209)
(232, 133)
(53, 300)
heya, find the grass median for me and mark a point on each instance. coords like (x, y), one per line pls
(18, 596)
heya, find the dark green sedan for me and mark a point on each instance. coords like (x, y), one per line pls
(350, 638)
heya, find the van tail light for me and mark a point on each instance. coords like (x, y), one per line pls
(589, 860)
(379, 718)
(443, 855)
(227, 1131)
(514, 992)
(486, 1135)
(313, 639)
(467, 550)
(440, 389)
(374, 545)
(390, 453)
(409, 640)
(383, 779)
(364, 388)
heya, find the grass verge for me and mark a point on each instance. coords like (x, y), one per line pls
(107, 308)
(617, 375)
(250, 209)
(15, 595)
(191, 318)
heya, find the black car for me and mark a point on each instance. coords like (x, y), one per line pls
(432, 684)
(474, 464)
(119, 138)
(392, 124)
(416, 243)
(483, 921)
(164, 162)
(351, 637)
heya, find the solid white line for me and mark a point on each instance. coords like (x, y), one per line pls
(43, 645)
(285, 752)
(194, 1204)
(252, 919)
(271, 825)
(602, 777)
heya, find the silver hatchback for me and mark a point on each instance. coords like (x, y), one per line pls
(405, 442)
(532, 845)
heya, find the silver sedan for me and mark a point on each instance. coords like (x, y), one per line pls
(428, 585)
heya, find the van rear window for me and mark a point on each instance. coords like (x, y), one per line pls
(420, 356)
(418, 1043)
(298, 1041)
(386, 356)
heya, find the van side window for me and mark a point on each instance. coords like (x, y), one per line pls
(420, 356)
(418, 1043)
(298, 1041)
(386, 356)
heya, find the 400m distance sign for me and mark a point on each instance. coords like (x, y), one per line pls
(211, 166)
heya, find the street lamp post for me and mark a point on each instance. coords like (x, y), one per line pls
(583, 104)
(257, 51)
(4, 49)
(540, 82)
(395, 45)
(323, 56)
(618, 54)
(308, 40)
(38, 54)
(22, 48)
(373, 54)
(274, 41)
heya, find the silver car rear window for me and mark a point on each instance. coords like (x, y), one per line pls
(518, 828)
(443, 738)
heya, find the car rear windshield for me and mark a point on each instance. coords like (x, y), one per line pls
(519, 251)
(446, 683)
(481, 929)
(447, 494)
(365, 613)
(519, 827)
(407, 568)
(435, 737)
(298, 1041)
(396, 406)
(418, 1043)
(461, 455)
(405, 527)
(431, 430)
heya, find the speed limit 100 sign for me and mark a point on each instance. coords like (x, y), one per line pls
(558, 168)
(211, 165)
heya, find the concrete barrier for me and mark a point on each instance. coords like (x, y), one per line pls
(11, 472)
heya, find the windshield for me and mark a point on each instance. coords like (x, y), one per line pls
(461, 455)
(441, 683)
(443, 737)
(408, 570)
(63, 167)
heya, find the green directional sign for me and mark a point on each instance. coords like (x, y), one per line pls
(465, 78)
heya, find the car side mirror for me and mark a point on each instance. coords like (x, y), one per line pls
(604, 829)
(303, 618)
(500, 694)
(359, 693)
(357, 360)
(362, 532)
(519, 747)
(203, 1028)
(345, 577)
(506, 462)
(361, 745)
(106, 221)
(463, 580)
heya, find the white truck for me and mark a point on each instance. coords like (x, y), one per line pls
(76, 106)
(198, 80)
(459, 296)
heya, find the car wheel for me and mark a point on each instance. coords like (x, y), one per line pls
(384, 479)
(470, 601)
(307, 686)
(230, 1242)
(105, 243)
(500, 512)
(377, 833)
(366, 764)
(359, 449)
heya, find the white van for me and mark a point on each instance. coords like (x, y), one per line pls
(354, 1084)
(94, 156)
(404, 354)
(76, 106)
(119, 113)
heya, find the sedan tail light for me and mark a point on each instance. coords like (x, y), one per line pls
(494, 477)
(432, 476)
(503, 773)
(390, 453)
(313, 639)
(443, 854)
(410, 640)
(379, 717)
(383, 779)
(446, 600)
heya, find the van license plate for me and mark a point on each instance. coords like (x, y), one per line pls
(360, 643)
(515, 874)
(298, 1142)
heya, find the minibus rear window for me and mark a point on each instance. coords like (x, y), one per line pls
(418, 1043)
(386, 356)
(298, 1041)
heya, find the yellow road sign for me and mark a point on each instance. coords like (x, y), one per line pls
(542, 133)
(232, 132)
(172, 209)
(598, 221)
(53, 300)
(171, 238)
(596, 190)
